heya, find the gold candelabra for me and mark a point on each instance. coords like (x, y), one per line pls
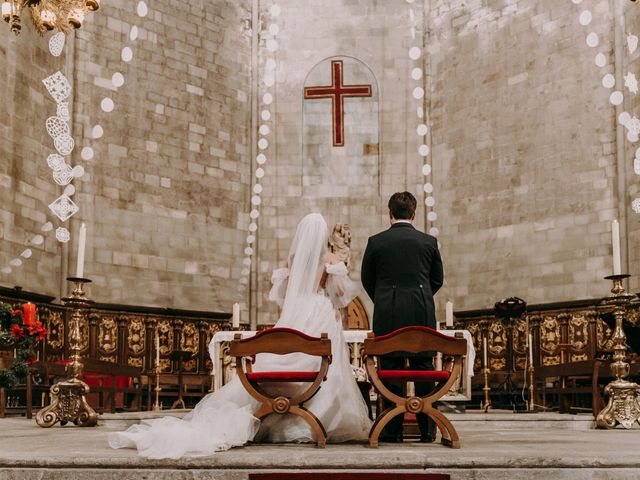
(157, 406)
(486, 404)
(68, 402)
(532, 407)
(623, 407)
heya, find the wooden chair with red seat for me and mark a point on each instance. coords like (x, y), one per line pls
(282, 341)
(415, 340)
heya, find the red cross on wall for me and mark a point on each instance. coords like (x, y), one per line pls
(337, 92)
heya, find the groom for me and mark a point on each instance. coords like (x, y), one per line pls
(401, 271)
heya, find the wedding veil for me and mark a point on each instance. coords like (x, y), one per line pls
(306, 262)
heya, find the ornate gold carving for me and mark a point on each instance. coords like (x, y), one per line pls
(519, 337)
(578, 357)
(190, 338)
(165, 332)
(497, 339)
(137, 335)
(520, 362)
(497, 364)
(83, 340)
(108, 358)
(190, 365)
(605, 336)
(551, 360)
(135, 361)
(55, 334)
(107, 335)
(165, 364)
(578, 332)
(549, 335)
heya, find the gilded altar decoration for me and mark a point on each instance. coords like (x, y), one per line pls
(497, 339)
(20, 333)
(189, 341)
(68, 402)
(520, 337)
(578, 332)
(623, 406)
(107, 335)
(137, 335)
(605, 336)
(549, 334)
(55, 335)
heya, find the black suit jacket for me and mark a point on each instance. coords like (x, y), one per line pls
(401, 271)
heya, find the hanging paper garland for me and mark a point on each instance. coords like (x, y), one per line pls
(268, 79)
(631, 123)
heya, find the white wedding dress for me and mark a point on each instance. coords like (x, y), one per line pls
(309, 294)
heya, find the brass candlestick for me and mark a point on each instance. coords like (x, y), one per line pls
(532, 407)
(156, 404)
(68, 402)
(486, 404)
(624, 406)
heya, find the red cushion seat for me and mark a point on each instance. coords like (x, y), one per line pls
(415, 375)
(282, 376)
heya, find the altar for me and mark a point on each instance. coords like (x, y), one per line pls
(224, 366)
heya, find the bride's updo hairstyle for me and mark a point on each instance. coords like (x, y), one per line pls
(306, 256)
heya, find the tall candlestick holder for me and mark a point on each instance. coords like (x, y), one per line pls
(623, 406)
(532, 406)
(486, 404)
(156, 404)
(68, 402)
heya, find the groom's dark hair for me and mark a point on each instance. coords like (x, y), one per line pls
(402, 205)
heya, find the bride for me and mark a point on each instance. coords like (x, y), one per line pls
(309, 291)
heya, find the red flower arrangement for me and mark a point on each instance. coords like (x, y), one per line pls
(22, 336)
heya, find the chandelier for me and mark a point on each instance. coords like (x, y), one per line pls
(62, 15)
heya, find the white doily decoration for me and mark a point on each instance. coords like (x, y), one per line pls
(633, 125)
(632, 43)
(267, 99)
(63, 176)
(631, 82)
(107, 105)
(57, 127)
(635, 205)
(47, 227)
(26, 253)
(62, 111)
(275, 10)
(133, 33)
(62, 235)
(601, 60)
(257, 188)
(6, 270)
(58, 86)
(636, 166)
(70, 190)
(55, 161)
(16, 262)
(87, 153)
(127, 54)
(117, 80)
(63, 207)
(56, 44)
(64, 144)
(261, 159)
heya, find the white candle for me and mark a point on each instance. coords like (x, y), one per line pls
(82, 240)
(235, 320)
(484, 352)
(615, 242)
(157, 350)
(530, 350)
(448, 314)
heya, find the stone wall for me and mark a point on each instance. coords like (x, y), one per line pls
(529, 166)
(166, 191)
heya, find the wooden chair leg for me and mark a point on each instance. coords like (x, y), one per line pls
(383, 419)
(445, 425)
(314, 423)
